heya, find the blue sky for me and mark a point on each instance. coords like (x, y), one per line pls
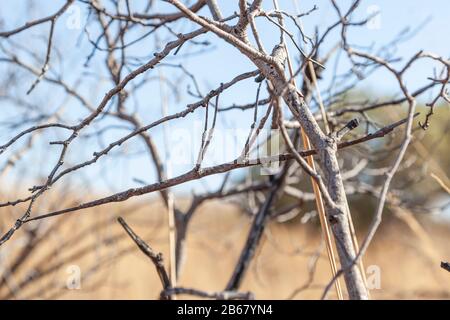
(222, 63)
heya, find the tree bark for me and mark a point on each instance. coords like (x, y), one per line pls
(328, 163)
(273, 68)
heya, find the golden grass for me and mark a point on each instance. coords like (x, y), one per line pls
(216, 236)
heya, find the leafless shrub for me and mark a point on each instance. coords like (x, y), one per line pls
(319, 127)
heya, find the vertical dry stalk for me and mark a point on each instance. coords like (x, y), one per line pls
(170, 200)
(319, 97)
(322, 217)
(172, 240)
(441, 183)
(327, 130)
(319, 201)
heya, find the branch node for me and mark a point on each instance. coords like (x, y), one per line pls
(445, 266)
(352, 124)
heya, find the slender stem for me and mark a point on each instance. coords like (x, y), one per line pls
(319, 201)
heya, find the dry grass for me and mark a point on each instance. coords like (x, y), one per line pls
(216, 236)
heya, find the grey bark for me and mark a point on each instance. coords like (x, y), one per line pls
(327, 160)
(327, 156)
(272, 67)
(215, 11)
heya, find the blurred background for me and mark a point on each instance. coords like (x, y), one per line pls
(87, 255)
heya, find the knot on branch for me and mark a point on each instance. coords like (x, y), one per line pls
(445, 266)
(279, 55)
(352, 124)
